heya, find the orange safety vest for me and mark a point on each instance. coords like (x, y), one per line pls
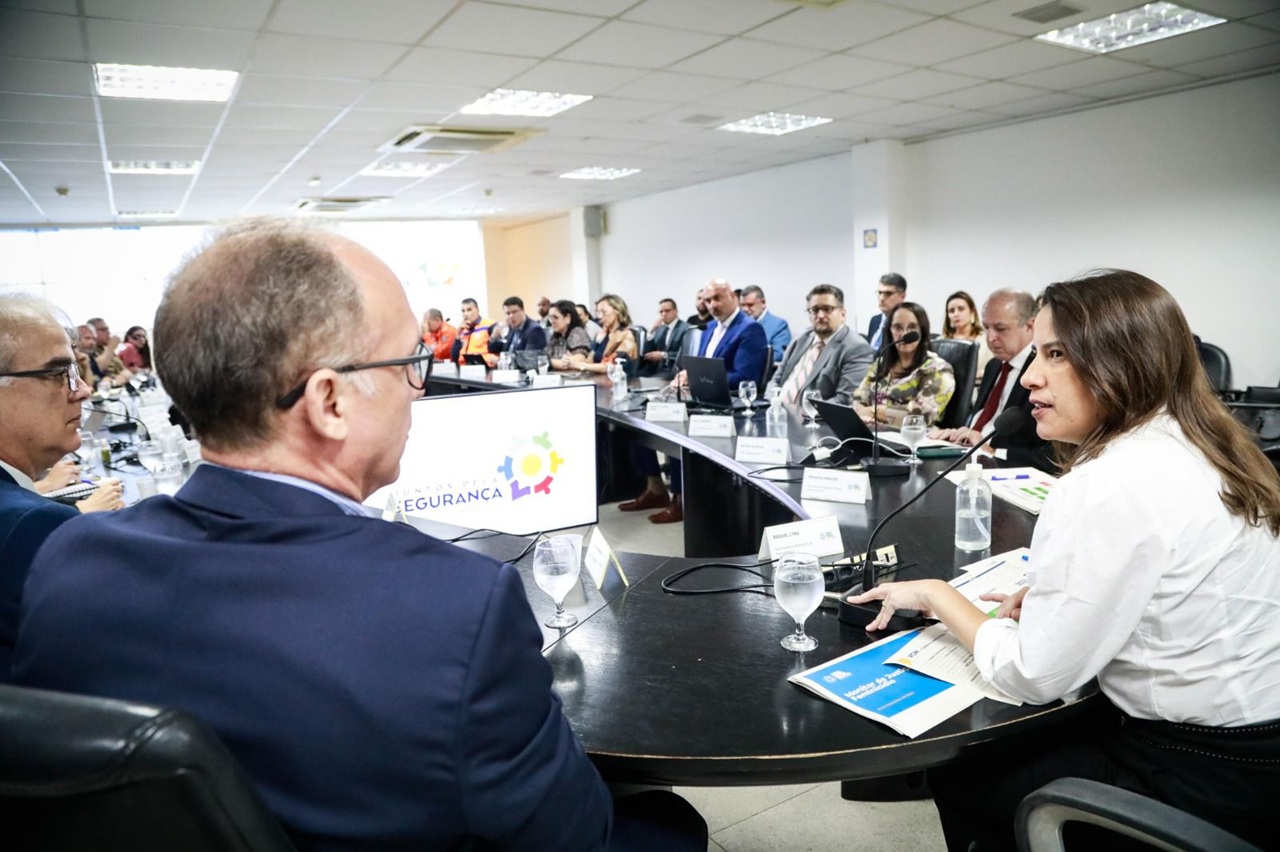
(475, 341)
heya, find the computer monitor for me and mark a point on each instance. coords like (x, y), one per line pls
(518, 461)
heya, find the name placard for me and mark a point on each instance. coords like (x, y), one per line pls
(547, 381)
(472, 371)
(837, 486)
(712, 426)
(665, 412)
(817, 536)
(503, 376)
(763, 450)
(599, 557)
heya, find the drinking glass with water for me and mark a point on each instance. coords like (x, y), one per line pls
(798, 585)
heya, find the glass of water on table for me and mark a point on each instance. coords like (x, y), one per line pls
(913, 431)
(557, 562)
(798, 586)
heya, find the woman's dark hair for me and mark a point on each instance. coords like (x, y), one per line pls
(1098, 320)
(889, 360)
(570, 310)
(947, 329)
(144, 351)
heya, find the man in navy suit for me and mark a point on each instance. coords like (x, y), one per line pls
(1008, 316)
(891, 292)
(776, 330)
(40, 396)
(666, 339)
(523, 333)
(384, 690)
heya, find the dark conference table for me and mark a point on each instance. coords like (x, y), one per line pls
(693, 690)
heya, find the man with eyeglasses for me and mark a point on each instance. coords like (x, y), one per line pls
(383, 689)
(40, 396)
(830, 357)
(890, 292)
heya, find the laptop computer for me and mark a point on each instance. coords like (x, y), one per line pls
(709, 383)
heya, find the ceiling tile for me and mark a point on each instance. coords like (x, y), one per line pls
(607, 8)
(229, 14)
(160, 113)
(1270, 20)
(40, 77)
(1048, 102)
(57, 7)
(245, 137)
(46, 108)
(723, 17)
(668, 85)
(915, 85)
(839, 71)
(34, 35)
(985, 95)
(763, 97)
(10, 151)
(1236, 63)
(931, 43)
(425, 65)
(402, 97)
(638, 45)
(48, 133)
(1020, 57)
(127, 151)
(748, 59)
(581, 78)
(1098, 69)
(1233, 8)
(182, 47)
(352, 60)
(509, 30)
(837, 28)
(933, 7)
(972, 118)
(999, 15)
(395, 21)
(1199, 45)
(133, 134)
(298, 91)
(1136, 85)
(908, 113)
(306, 118)
(52, 173)
(842, 105)
(618, 109)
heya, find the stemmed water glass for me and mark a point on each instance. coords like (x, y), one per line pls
(913, 431)
(798, 585)
(747, 393)
(150, 453)
(556, 566)
(810, 410)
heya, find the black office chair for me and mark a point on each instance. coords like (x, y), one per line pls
(766, 372)
(94, 774)
(1216, 365)
(962, 355)
(1041, 816)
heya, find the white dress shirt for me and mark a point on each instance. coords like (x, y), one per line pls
(1140, 577)
(718, 334)
(19, 477)
(1016, 363)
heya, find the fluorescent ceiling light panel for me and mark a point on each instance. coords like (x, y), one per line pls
(1131, 28)
(153, 82)
(599, 173)
(154, 167)
(402, 169)
(774, 123)
(146, 214)
(523, 102)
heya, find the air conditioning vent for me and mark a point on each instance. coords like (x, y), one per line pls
(455, 140)
(335, 206)
(1048, 13)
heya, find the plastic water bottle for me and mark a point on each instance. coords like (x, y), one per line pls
(973, 510)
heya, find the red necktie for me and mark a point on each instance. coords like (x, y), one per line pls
(993, 399)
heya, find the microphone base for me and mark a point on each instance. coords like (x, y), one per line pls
(885, 467)
(860, 615)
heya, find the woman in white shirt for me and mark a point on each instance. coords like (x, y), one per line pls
(1155, 567)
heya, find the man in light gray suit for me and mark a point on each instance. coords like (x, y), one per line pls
(830, 357)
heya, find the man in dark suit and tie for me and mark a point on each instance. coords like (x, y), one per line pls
(40, 397)
(891, 292)
(662, 349)
(523, 333)
(1009, 319)
(383, 689)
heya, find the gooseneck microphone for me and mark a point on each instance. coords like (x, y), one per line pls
(1010, 420)
(130, 423)
(872, 464)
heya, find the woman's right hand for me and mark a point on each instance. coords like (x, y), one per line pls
(108, 497)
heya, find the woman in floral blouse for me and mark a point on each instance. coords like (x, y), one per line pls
(909, 378)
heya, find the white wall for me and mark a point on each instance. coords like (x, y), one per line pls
(529, 261)
(1183, 188)
(783, 229)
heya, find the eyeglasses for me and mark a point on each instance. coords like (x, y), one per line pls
(903, 329)
(823, 309)
(69, 373)
(420, 361)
